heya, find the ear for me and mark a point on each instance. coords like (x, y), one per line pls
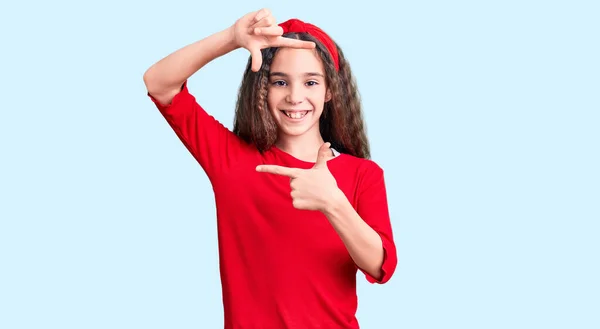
(327, 95)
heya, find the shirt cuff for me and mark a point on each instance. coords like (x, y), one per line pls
(388, 266)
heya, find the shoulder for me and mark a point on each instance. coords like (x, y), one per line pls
(361, 166)
(362, 172)
(363, 182)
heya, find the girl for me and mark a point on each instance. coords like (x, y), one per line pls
(300, 207)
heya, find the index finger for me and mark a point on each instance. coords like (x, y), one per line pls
(278, 170)
(267, 31)
(293, 43)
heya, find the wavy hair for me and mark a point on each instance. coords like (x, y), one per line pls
(341, 122)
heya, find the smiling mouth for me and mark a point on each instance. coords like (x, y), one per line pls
(295, 114)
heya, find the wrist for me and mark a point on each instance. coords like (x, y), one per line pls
(334, 203)
(229, 34)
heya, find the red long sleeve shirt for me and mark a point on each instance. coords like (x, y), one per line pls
(280, 267)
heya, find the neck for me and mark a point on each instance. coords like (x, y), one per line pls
(304, 147)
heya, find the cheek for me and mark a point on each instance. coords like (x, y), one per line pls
(272, 100)
(321, 93)
(318, 99)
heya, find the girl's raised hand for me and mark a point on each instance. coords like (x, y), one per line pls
(258, 30)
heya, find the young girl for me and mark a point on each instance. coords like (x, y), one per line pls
(300, 207)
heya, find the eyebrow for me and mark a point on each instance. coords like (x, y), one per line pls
(281, 74)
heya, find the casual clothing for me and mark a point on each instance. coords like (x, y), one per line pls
(280, 267)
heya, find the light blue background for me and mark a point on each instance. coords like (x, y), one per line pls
(484, 114)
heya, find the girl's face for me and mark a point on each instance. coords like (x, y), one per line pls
(297, 91)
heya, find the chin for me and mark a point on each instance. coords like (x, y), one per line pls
(294, 131)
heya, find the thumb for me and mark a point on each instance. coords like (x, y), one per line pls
(256, 58)
(323, 156)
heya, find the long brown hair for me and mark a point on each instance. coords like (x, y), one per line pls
(341, 122)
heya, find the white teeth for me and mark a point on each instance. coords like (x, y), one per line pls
(296, 114)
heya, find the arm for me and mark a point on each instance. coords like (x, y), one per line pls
(365, 231)
(362, 241)
(213, 146)
(165, 78)
(365, 228)
(254, 31)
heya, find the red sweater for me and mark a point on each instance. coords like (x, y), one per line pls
(280, 267)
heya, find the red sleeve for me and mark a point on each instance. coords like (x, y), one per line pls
(373, 208)
(213, 145)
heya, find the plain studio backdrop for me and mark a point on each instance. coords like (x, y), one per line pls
(484, 115)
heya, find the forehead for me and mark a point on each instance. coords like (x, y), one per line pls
(290, 60)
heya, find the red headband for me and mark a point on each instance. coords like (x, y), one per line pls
(298, 26)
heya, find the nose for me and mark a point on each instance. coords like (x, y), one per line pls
(295, 95)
